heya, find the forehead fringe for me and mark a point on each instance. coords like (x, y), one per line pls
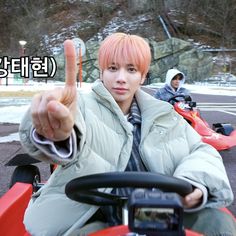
(125, 49)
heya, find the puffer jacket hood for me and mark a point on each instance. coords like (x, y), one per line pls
(171, 74)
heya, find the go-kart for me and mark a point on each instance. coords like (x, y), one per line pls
(220, 136)
(142, 204)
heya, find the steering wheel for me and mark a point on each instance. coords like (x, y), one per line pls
(85, 189)
(187, 98)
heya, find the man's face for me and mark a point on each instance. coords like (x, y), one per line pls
(122, 81)
(175, 82)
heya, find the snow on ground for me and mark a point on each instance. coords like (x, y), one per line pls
(13, 109)
(212, 89)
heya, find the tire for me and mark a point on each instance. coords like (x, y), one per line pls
(225, 129)
(25, 174)
(228, 129)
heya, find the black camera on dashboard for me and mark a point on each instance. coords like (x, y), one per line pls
(155, 213)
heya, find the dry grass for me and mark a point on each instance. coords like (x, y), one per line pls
(18, 93)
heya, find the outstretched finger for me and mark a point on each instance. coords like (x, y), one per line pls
(70, 57)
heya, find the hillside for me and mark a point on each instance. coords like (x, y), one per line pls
(46, 24)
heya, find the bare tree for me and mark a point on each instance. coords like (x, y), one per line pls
(140, 6)
(220, 15)
(27, 21)
(209, 17)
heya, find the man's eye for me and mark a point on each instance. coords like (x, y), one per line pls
(112, 68)
(132, 69)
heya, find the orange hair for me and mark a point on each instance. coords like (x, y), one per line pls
(124, 48)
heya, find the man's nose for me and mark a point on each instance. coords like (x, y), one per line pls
(121, 76)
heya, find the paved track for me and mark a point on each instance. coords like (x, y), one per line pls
(225, 113)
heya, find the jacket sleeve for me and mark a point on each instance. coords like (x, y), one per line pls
(157, 94)
(44, 152)
(187, 92)
(204, 166)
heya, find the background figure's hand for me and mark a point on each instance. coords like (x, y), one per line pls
(53, 112)
(193, 199)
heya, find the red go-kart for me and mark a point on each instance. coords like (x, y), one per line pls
(150, 211)
(220, 136)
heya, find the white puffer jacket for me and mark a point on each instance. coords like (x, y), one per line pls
(168, 145)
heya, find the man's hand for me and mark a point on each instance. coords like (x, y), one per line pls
(53, 111)
(193, 199)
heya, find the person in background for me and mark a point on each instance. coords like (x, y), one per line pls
(173, 86)
(117, 127)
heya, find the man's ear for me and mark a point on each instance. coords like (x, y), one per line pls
(100, 75)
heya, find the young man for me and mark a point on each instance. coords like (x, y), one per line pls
(173, 86)
(117, 127)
